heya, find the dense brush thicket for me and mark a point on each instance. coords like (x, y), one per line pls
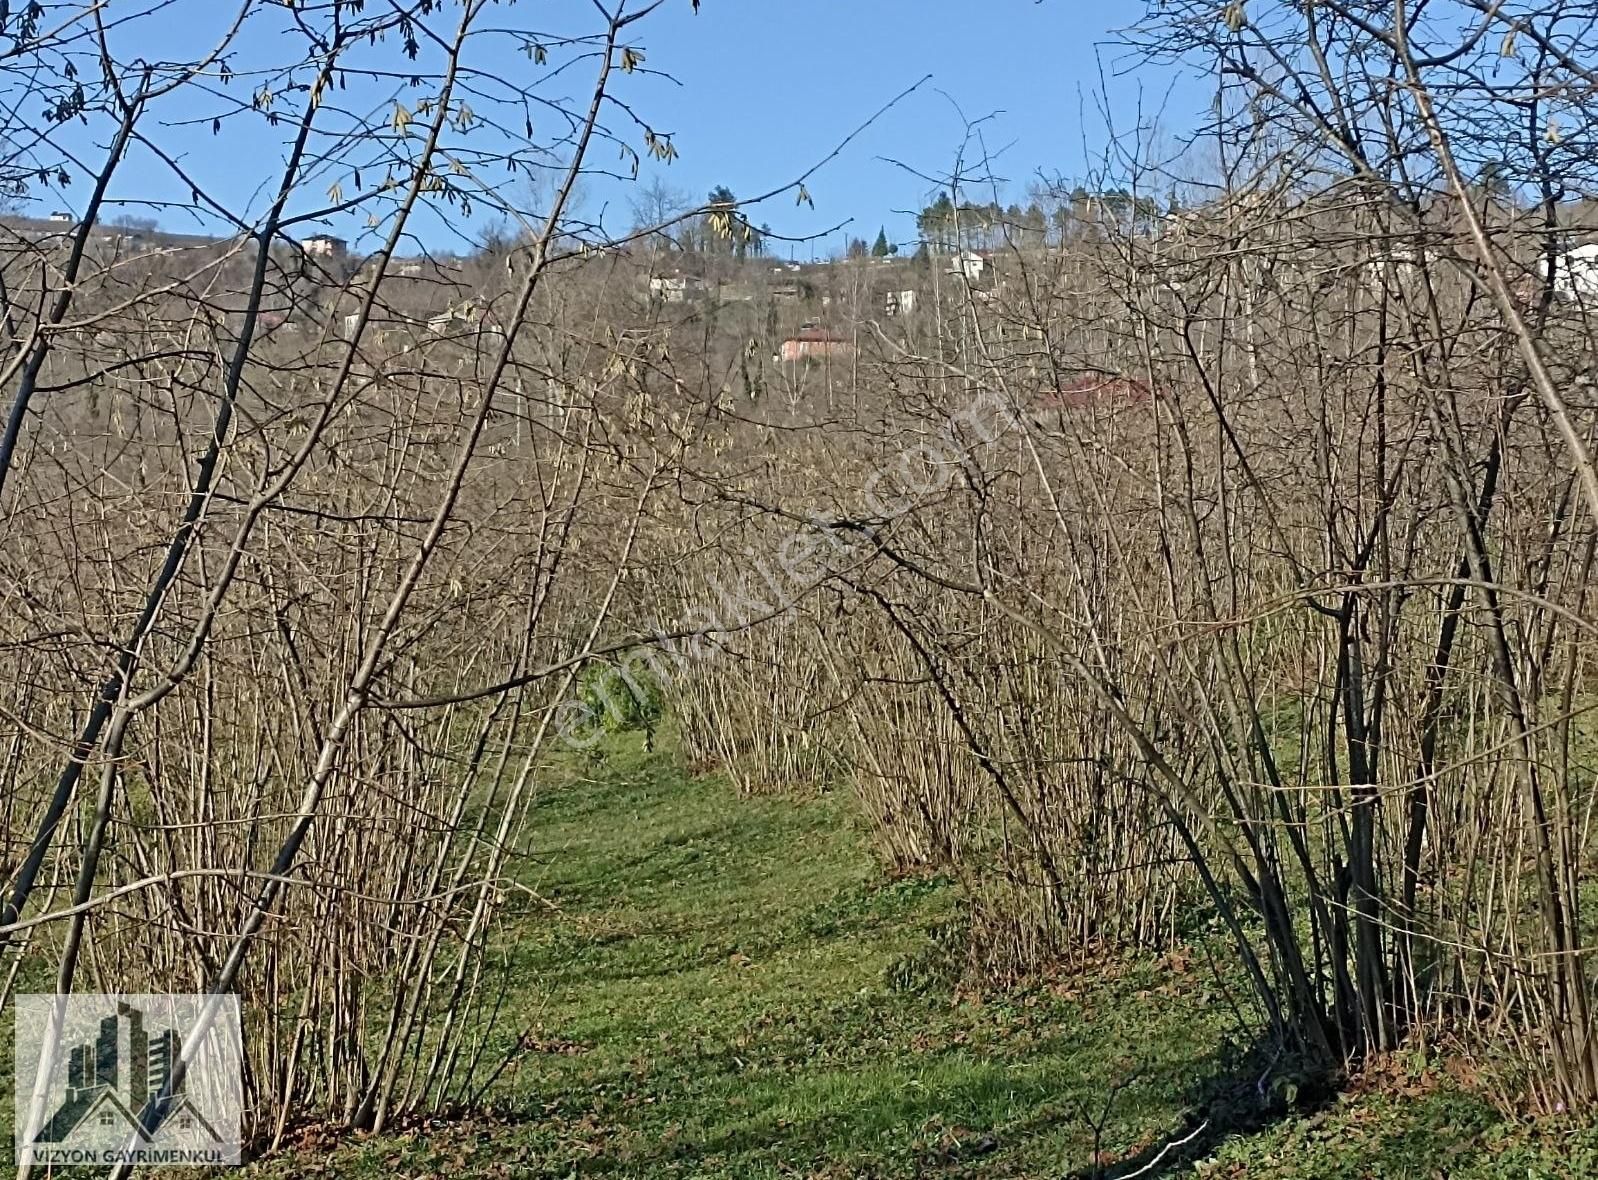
(1214, 566)
(1279, 623)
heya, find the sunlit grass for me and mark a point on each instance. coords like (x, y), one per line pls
(722, 987)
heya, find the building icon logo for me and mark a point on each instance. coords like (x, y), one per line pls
(128, 1079)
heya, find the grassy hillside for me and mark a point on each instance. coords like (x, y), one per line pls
(726, 988)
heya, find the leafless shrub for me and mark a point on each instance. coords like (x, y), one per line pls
(302, 552)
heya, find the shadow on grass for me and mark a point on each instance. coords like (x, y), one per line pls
(1245, 1092)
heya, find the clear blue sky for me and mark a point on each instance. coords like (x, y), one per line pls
(770, 86)
(760, 91)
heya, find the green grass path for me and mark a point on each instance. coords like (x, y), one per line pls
(731, 988)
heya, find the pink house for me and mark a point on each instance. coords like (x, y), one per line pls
(812, 343)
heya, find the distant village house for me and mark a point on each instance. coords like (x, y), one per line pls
(899, 303)
(325, 246)
(1576, 272)
(973, 266)
(675, 288)
(813, 343)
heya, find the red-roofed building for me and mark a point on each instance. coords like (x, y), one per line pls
(1094, 389)
(813, 343)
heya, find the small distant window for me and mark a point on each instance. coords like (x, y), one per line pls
(107, 1118)
(185, 1122)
